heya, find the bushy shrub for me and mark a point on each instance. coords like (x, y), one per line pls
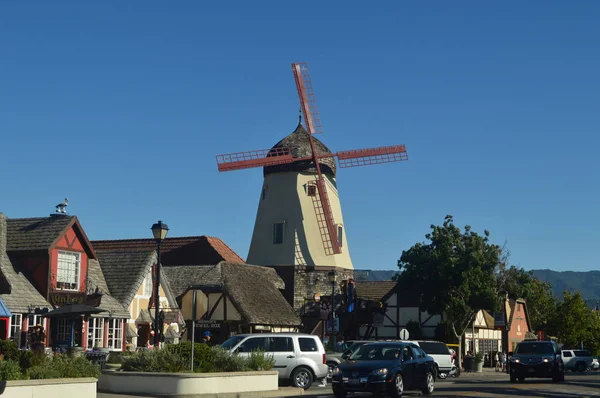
(29, 359)
(177, 358)
(258, 360)
(203, 355)
(10, 370)
(155, 361)
(224, 361)
(63, 367)
(9, 350)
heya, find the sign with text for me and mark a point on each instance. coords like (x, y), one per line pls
(208, 324)
(64, 298)
(499, 322)
(171, 316)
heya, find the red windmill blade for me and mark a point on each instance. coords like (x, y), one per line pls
(321, 204)
(284, 155)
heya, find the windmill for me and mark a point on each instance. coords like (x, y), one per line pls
(310, 158)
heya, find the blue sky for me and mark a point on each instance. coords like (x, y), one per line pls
(122, 107)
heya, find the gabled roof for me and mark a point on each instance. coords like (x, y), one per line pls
(41, 233)
(15, 289)
(125, 271)
(374, 290)
(254, 290)
(103, 299)
(177, 251)
(512, 305)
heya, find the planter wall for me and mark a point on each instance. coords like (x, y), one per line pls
(51, 388)
(149, 384)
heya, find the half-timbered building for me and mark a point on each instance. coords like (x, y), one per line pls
(46, 263)
(235, 298)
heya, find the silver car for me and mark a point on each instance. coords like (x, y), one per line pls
(299, 357)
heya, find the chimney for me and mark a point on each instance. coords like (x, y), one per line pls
(2, 235)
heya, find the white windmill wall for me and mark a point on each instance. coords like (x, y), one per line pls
(284, 198)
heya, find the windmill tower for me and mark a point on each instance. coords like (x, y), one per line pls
(299, 220)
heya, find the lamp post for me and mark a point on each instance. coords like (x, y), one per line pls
(332, 278)
(159, 230)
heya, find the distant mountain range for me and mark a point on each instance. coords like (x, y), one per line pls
(587, 283)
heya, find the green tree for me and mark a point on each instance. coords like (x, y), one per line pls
(518, 283)
(455, 272)
(575, 323)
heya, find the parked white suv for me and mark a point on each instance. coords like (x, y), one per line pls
(298, 357)
(439, 352)
(579, 360)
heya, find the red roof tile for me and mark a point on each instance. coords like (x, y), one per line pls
(200, 250)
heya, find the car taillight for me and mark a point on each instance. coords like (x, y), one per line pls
(324, 359)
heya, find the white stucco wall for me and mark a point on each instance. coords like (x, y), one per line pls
(52, 388)
(194, 384)
(286, 200)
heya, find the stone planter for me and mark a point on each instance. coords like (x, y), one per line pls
(51, 388)
(181, 384)
(75, 352)
(478, 366)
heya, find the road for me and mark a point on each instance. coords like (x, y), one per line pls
(488, 385)
(495, 385)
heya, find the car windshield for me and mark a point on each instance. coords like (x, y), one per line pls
(434, 348)
(376, 352)
(231, 342)
(532, 348)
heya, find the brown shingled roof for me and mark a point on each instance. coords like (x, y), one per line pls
(177, 251)
(374, 290)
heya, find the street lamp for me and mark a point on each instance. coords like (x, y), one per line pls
(333, 279)
(159, 230)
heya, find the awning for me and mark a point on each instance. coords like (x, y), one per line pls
(4, 311)
(144, 317)
(72, 311)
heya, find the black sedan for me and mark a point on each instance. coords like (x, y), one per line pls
(382, 368)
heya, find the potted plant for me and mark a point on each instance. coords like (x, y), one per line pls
(478, 362)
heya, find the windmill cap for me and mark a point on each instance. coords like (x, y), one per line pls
(299, 141)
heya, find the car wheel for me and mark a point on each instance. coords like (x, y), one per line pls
(302, 378)
(513, 378)
(581, 367)
(521, 379)
(330, 367)
(429, 384)
(398, 386)
(339, 392)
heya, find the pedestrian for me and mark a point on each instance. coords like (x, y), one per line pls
(504, 361)
(207, 338)
(497, 362)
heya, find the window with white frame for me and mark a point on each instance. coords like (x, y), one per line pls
(15, 328)
(33, 320)
(278, 233)
(115, 334)
(63, 330)
(95, 332)
(147, 285)
(67, 275)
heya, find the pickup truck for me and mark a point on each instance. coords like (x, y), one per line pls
(577, 360)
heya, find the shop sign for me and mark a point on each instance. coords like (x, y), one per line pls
(171, 316)
(499, 322)
(208, 324)
(64, 298)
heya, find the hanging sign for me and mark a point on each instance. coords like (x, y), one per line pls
(64, 298)
(499, 322)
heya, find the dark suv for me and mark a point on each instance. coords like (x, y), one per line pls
(536, 359)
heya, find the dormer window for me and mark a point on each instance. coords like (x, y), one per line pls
(69, 269)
